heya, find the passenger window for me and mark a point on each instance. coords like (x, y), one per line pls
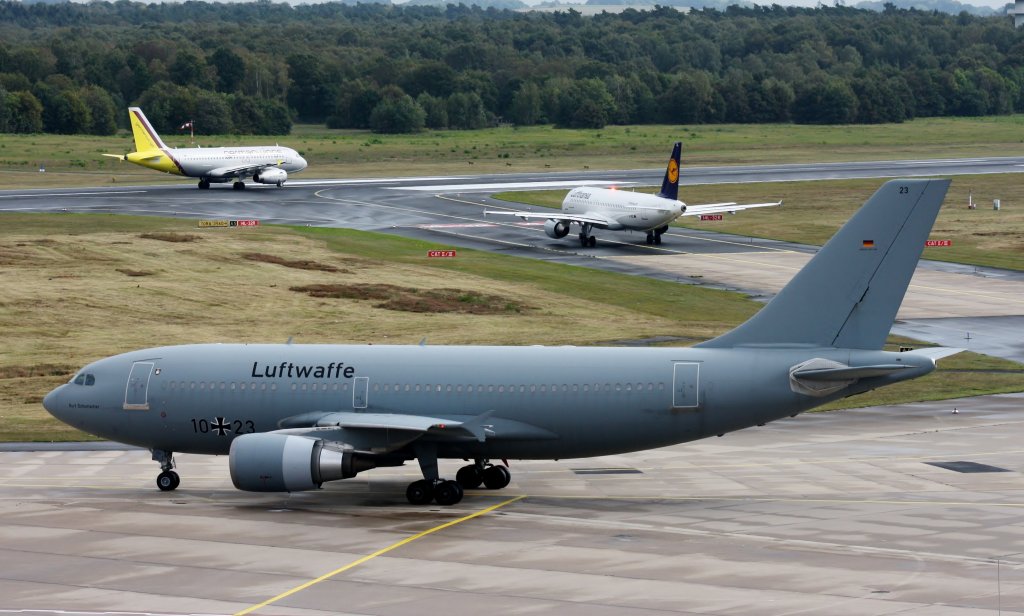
(90, 379)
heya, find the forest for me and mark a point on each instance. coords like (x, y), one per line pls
(257, 68)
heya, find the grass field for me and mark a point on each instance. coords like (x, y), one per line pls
(82, 287)
(78, 160)
(812, 211)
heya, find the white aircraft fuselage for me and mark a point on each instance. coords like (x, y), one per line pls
(624, 210)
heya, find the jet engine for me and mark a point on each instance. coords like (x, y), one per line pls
(267, 462)
(270, 175)
(556, 228)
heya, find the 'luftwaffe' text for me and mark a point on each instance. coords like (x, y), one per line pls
(289, 370)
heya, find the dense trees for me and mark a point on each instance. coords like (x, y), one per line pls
(73, 68)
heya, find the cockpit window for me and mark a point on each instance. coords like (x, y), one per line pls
(85, 379)
(80, 379)
(90, 379)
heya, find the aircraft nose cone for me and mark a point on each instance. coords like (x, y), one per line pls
(302, 163)
(51, 401)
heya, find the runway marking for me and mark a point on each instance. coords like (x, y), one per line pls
(368, 557)
(513, 185)
(74, 194)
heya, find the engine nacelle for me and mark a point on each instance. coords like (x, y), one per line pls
(270, 175)
(286, 463)
(556, 228)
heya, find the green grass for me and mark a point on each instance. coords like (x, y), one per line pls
(813, 211)
(78, 161)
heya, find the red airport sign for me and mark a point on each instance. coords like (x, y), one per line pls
(711, 217)
(938, 242)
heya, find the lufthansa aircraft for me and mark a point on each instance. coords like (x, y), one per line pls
(291, 417)
(264, 164)
(619, 210)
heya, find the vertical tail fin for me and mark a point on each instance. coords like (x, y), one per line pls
(848, 294)
(670, 185)
(145, 137)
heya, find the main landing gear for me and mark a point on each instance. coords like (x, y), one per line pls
(654, 235)
(238, 185)
(204, 184)
(446, 492)
(167, 480)
(587, 240)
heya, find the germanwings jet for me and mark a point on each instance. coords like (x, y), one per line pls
(264, 164)
(291, 417)
(619, 210)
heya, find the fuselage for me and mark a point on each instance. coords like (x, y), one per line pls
(624, 209)
(545, 402)
(204, 162)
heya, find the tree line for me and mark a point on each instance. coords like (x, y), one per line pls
(255, 68)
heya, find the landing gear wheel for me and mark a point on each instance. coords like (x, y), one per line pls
(167, 481)
(280, 184)
(584, 239)
(591, 241)
(657, 239)
(420, 492)
(650, 238)
(238, 185)
(496, 477)
(470, 477)
(204, 184)
(447, 493)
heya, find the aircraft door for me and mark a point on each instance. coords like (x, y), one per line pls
(360, 391)
(686, 385)
(136, 393)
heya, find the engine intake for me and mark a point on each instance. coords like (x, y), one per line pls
(556, 228)
(286, 463)
(270, 175)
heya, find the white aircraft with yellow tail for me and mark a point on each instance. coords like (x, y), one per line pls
(264, 164)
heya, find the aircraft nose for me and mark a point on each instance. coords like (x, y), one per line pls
(51, 402)
(302, 163)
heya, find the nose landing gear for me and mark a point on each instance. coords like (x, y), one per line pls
(167, 480)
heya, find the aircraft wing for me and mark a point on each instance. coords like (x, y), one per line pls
(721, 208)
(590, 219)
(477, 427)
(227, 172)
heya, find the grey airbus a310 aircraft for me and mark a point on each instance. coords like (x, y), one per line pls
(291, 417)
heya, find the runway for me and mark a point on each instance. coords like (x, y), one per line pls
(848, 512)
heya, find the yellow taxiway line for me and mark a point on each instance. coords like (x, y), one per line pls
(368, 557)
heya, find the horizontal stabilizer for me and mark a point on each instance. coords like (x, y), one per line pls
(935, 353)
(117, 156)
(848, 373)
